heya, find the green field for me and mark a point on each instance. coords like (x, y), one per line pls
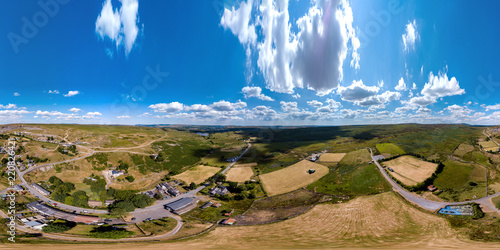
(460, 181)
(390, 148)
(455, 174)
(362, 179)
(356, 157)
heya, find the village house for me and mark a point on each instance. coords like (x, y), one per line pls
(219, 190)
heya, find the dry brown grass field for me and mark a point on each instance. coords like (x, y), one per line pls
(411, 168)
(197, 174)
(292, 177)
(381, 220)
(463, 149)
(240, 173)
(489, 145)
(331, 157)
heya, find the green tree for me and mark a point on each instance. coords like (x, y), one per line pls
(142, 201)
(130, 178)
(58, 226)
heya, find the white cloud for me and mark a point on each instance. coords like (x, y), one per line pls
(380, 83)
(357, 91)
(237, 20)
(119, 25)
(310, 58)
(422, 100)
(410, 36)
(72, 93)
(289, 106)
(414, 86)
(422, 70)
(74, 110)
(198, 108)
(296, 96)
(123, 117)
(315, 103)
(8, 106)
(441, 86)
(167, 107)
(92, 115)
(55, 91)
(488, 108)
(13, 112)
(16, 94)
(255, 92)
(263, 113)
(401, 85)
(227, 106)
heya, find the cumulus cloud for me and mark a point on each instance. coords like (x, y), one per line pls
(357, 91)
(401, 85)
(255, 92)
(8, 106)
(16, 94)
(263, 113)
(13, 112)
(120, 26)
(289, 106)
(55, 91)
(92, 115)
(441, 86)
(312, 57)
(72, 93)
(315, 103)
(238, 21)
(437, 87)
(75, 110)
(227, 106)
(488, 108)
(198, 108)
(410, 36)
(167, 107)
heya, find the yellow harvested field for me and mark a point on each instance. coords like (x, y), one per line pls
(381, 220)
(489, 145)
(410, 170)
(197, 174)
(239, 174)
(331, 157)
(292, 177)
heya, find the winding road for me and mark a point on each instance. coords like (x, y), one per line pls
(428, 204)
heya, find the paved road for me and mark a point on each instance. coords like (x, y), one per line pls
(230, 165)
(428, 204)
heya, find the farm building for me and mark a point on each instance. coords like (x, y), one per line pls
(40, 189)
(92, 203)
(116, 173)
(220, 190)
(18, 188)
(181, 206)
(108, 202)
(229, 221)
(207, 204)
(35, 225)
(86, 219)
(378, 157)
(431, 188)
(48, 211)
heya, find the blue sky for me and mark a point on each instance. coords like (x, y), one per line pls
(269, 62)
